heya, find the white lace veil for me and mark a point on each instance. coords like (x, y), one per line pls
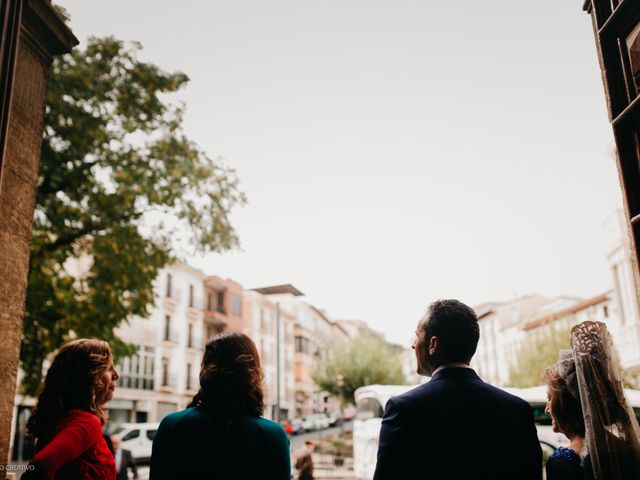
(612, 435)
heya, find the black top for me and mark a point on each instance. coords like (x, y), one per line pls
(457, 426)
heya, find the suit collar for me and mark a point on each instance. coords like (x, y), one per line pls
(455, 373)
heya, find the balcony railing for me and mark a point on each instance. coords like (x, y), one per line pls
(137, 382)
(173, 293)
(172, 335)
(197, 343)
(194, 385)
(170, 381)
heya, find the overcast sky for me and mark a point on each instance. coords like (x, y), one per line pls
(394, 152)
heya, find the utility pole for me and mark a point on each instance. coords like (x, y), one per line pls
(277, 362)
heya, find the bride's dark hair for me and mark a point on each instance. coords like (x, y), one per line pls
(231, 379)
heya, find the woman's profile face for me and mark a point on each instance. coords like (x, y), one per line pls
(108, 380)
(549, 411)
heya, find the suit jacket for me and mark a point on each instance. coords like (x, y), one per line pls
(126, 462)
(458, 427)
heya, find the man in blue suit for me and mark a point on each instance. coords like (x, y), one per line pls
(455, 426)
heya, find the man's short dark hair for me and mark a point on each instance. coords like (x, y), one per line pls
(456, 326)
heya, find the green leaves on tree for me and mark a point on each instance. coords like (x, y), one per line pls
(119, 184)
(365, 360)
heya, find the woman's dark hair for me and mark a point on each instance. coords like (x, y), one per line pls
(565, 407)
(74, 380)
(230, 379)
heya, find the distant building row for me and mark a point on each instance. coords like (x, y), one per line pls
(192, 307)
(506, 327)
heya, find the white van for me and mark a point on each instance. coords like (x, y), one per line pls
(138, 438)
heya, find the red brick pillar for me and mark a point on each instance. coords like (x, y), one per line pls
(40, 35)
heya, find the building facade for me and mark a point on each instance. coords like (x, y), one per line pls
(272, 329)
(625, 325)
(501, 335)
(163, 376)
(314, 335)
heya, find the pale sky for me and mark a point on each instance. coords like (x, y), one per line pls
(394, 152)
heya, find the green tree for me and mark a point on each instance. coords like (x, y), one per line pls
(363, 361)
(537, 354)
(543, 351)
(119, 185)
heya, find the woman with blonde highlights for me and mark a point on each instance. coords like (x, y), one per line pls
(68, 418)
(222, 433)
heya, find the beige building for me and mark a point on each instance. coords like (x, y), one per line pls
(625, 326)
(314, 335)
(163, 376)
(264, 319)
(501, 335)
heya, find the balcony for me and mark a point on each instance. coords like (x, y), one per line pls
(169, 382)
(196, 343)
(192, 386)
(216, 317)
(195, 307)
(171, 336)
(172, 298)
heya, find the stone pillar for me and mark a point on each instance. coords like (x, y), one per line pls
(42, 35)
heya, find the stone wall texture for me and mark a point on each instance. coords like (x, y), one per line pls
(17, 202)
(43, 35)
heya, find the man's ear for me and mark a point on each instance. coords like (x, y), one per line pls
(434, 345)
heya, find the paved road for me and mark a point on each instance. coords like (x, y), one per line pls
(297, 441)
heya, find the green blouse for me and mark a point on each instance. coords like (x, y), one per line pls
(188, 445)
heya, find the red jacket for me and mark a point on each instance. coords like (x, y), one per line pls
(75, 450)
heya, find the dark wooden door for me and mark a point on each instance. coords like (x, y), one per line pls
(616, 25)
(10, 14)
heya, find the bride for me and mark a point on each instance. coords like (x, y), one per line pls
(586, 402)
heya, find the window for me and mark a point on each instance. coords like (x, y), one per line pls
(368, 408)
(236, 305)
(302, 345)
(188, 376)
(131, 435)
(190, 337)
(165, 372)
(605, 311)
(151, 434)
(137, 371)
(167, 327)
(169, 284)
(220, 302)
(209, 301)
(191, 299)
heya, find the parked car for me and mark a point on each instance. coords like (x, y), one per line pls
(308, 424)
(137, 437)
(335, 419)
(296, 425)
(287, 426)
(319, 420)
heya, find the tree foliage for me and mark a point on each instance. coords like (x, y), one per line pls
(365, 360)
(119, 183)
(537, 354)
(543, 351)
